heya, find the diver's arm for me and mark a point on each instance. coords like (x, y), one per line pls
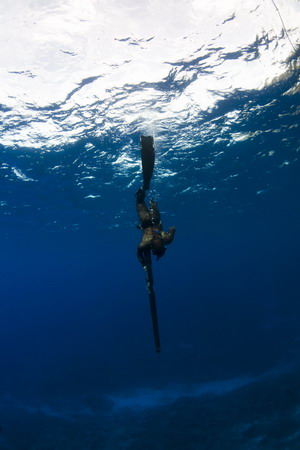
(168, 236)
(141, 253)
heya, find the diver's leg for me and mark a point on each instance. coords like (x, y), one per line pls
(143, 212)
(154, 211)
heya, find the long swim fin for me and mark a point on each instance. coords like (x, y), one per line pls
(148, 158)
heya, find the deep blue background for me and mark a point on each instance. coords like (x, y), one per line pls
(75, 326)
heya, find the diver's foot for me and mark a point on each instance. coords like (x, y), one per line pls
(140, 195)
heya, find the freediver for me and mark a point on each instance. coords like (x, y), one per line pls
(154, 238)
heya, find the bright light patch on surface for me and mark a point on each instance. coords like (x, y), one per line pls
(67, 67)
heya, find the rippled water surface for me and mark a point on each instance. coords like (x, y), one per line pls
(217, 85)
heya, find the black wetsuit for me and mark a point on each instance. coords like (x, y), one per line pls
(154, 238)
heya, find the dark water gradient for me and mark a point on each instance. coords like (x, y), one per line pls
(75, 328)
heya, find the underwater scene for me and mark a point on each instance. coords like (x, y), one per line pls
(150, 217)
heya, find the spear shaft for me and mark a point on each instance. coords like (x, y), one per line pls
(150, 289)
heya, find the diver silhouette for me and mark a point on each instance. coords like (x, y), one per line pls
(154, 238)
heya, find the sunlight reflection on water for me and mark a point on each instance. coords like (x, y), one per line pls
(71, 70)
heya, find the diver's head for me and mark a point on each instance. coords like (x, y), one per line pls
(158, 250)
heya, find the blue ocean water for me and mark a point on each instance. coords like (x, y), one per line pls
(78, 365)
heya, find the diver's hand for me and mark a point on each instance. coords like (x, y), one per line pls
(172, 231)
